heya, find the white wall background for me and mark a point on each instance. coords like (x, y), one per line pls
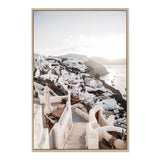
(15, 78)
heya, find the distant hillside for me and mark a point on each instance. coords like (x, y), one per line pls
(76, 56)
(105, 61)
(98, 68)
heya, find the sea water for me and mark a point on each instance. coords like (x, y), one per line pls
(116, 77)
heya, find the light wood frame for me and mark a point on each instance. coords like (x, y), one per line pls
(127, 78)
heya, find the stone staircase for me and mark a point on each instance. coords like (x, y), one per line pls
(77, 138)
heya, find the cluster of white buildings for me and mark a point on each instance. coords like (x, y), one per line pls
(81, 85)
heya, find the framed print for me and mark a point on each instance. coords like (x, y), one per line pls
(80, 79)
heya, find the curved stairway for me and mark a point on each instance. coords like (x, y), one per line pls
(76, 140)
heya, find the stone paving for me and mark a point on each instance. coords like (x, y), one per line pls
(77, 138)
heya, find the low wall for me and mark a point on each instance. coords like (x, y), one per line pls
(92, 137)
(97, 130)
(38, 126)
(62, 129)
(82, 114)
(41, 140)
(106, 122)
(77, 105)
(53, 99)
(103, 133)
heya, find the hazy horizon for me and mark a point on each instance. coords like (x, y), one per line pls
(90, 33)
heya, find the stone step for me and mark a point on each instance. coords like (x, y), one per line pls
(77, 139)
(80, 124)
(75, 146)
(79, 128)
(78, 131)
(76, 135)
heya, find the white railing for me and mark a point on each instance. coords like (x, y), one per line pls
(97, 130)
(53, 99)
(92, 136)
(63, 128)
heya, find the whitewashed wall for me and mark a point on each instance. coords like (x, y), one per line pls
(53, 99)
(62, 129)
(41, 136)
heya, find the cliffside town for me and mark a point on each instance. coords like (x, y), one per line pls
(81, 77)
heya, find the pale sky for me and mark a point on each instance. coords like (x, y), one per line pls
(92, 33)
